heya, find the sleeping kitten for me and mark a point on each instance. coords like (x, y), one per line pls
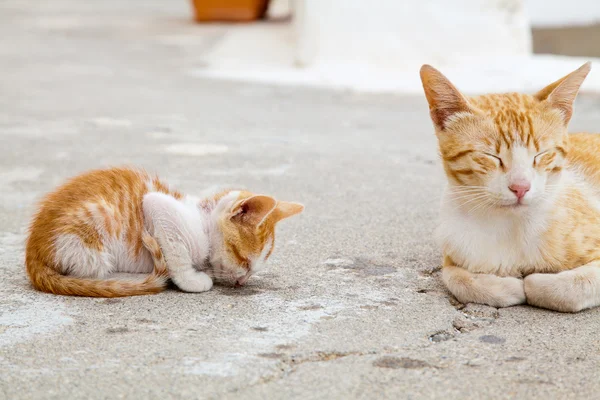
(520, 217)
(124, 220)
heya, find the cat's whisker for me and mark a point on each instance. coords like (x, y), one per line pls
(462, 204)
(470, 193)
(460, 199)
(468, 199)
(467, 190)
(484, 205)
(465, 187)
(476, 198)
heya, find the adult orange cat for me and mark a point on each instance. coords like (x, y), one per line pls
(124, 220)
(520, 217)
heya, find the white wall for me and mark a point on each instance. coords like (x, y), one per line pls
(405, 33)
(563, 12)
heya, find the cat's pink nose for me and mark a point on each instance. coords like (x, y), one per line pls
(520, 189)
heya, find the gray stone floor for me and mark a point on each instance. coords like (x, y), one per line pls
(351, 305)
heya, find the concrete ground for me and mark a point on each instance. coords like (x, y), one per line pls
(351, 305)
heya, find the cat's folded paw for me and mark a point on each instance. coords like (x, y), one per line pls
(503, 291)
(514, 292)
(487, 289)
(551, 291)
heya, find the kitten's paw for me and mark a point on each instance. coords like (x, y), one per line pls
(193, 281)
(551, 291)
(503, 291)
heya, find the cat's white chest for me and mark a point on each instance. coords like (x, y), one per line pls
(496, 245)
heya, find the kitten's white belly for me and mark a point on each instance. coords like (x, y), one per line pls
(125, 261)
(77, 259)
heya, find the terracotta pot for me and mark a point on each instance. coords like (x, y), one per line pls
(229, 10)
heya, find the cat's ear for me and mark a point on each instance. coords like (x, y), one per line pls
(561, 94)
(253, 210)
(444, 99)
(286, 209)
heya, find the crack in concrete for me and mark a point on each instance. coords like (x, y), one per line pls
(289, 364)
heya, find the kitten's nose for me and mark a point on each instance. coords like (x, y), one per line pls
(520, 189)
(242, 281)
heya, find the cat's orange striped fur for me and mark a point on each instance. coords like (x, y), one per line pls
(520, 218)
(124, 220)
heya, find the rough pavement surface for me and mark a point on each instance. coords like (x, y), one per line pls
(351, 305)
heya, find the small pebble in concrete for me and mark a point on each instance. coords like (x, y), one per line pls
(427, 270)
(455, 303)
(440, 337)
(464, 325)
(259, 328)
(476, 362)
(480, 311)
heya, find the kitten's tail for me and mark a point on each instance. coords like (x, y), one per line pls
(46, 279)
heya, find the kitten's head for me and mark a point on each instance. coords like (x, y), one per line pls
(246, 227)
(502, 151)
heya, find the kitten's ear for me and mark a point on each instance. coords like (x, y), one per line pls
(561, 94)
(286, 209)
(444, 99)
(253, 210)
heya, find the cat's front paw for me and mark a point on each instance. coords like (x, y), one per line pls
(503, 291)
(193, 281)
(551, 291)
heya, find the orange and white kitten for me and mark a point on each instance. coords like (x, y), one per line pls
(124, 220)
(520, 217)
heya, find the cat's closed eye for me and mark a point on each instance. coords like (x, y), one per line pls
(546, 155)
(495, 158)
